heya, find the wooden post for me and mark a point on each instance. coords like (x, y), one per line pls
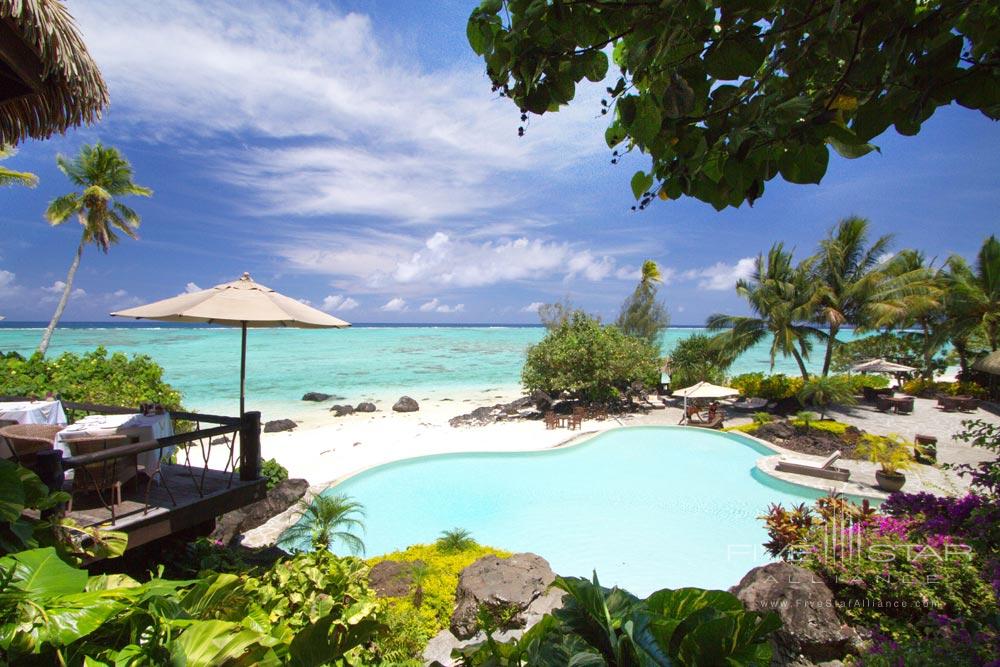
(250, 447)
(49, 469)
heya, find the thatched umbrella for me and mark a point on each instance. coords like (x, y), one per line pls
(48, 81)
(988, 364)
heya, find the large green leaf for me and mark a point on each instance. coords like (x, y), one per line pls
(212, 643)
(641, 182)
(731, 59)
(40, 572)
(646, 124)
(12, 501)
(72, 617)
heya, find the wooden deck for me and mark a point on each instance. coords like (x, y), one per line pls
(220, 493)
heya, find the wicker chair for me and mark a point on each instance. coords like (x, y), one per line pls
(25, 441)
(101, 476)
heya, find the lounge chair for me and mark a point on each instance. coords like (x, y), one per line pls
(25, 441)
(715, 422)
(822, 469)
(692, 415)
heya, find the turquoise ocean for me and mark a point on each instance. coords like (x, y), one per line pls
(363, 362)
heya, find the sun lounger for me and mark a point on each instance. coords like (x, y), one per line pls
(822, 469)
(715, 422)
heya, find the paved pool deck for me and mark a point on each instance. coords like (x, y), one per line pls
(926, 419)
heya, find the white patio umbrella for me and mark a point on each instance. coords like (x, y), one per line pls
(881, 366)
(241, 303)
(705, 390)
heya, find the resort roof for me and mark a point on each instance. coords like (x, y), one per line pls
(881, 366)
(48, 81)
(988, 364)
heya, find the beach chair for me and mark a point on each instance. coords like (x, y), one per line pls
(551, 420)
(714, 422)
(102, 476)
(24, 441)
(823, 469)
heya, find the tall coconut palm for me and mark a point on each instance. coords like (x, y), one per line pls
(11, 177)
(643, 315)
(974, 295)
(104, 176)
(913, 294)
(328, 519)
(848, 280)
(782, 298)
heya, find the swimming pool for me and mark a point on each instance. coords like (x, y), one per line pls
(647, 507)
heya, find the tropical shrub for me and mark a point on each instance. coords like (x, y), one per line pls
(92, 377)
(589, 360)
(930, 389)
(892, 452)
(772, 387)
(901, 347)
(456, 539)
(273, 472)
(311, 609)
(411, 625)
(858, 381)
(804, 418)
(825, 391)
(697, 358)
(326, 520)
(762, 418)
(600, 626)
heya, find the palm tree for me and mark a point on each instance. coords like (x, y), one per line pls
(642, 315)
(325, 520)
(11, 177)
(783, 298)
(974, 296)
(849, 281)
(916, 290)
(103, 176)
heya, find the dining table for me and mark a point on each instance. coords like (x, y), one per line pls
(48, 411)
(138, 427)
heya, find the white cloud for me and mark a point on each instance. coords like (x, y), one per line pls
(7, 281)
(333, 122)
(721, 276)
(58, 286)
(435, 306)
(119, 293)
(339, 302)
(532, 307)
(191, 287)
(394, 305)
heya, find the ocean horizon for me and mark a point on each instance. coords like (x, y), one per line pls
(376, 361)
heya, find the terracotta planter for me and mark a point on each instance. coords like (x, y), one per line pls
(890, 481)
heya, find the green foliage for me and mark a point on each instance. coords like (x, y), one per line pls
(725, 97)
(93, 377)
(410, 625)
(323, 521)
(589, 360)
(762, 418)
(273, 472)
(772, 387)
(22, 496)
(930, 389)
(598, 626)
(974, 294)
(823, 391)
(311, 609)
(454, 540)
(643, 315)
(11, 177)
(804, 419)
(697, 358)
(892, 452)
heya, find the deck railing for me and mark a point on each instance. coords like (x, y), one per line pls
(195, 443)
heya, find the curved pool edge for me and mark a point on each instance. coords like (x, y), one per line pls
(761, 474)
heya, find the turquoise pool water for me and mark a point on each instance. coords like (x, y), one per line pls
(646, 507)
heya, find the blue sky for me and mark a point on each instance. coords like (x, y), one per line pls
(351, 154)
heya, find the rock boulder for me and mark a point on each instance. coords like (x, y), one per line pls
(284, 494)
(278, 425)
(341, 410)
(365, 407)
(393, 578)
(810, 629)
(406, 404)
(499, 584)
(316, 396)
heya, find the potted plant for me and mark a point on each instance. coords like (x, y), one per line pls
(891, 452)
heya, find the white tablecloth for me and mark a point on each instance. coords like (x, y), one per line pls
(34, 412)
(139, 428)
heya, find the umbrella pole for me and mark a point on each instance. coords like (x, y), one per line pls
(243, 366)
